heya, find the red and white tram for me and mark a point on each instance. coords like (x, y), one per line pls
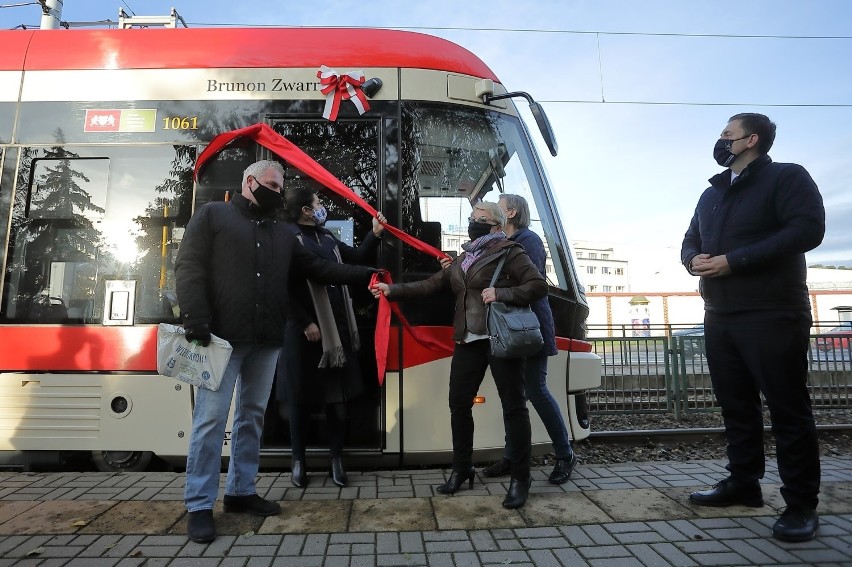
(99, 133)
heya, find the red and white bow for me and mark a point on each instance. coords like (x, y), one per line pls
(341, 87)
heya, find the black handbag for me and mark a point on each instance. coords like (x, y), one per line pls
(513, 330)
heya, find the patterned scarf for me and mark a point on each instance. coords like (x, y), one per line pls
(475, 248)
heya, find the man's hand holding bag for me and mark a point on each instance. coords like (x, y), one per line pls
(191, 361)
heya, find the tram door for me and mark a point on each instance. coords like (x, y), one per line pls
(349, 149)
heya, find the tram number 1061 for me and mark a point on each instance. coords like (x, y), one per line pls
(180, 123)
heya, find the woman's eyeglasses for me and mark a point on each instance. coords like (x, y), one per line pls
(482, 220)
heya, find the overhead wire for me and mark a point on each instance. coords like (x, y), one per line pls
(546, 31)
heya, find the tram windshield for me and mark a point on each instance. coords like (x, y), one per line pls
(460, 155)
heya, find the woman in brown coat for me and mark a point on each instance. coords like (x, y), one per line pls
(468, 277)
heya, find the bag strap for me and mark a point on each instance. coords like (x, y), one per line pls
(499, 267)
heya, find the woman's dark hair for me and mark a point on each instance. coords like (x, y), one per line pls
(296, 198)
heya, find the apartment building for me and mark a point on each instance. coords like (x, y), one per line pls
(600, 269)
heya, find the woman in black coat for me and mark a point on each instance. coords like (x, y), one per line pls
(318, 364)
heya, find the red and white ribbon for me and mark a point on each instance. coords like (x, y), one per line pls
(341, 87)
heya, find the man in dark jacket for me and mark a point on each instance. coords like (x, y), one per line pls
(747, 242)
(232, 272)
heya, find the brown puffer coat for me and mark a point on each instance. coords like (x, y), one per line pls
(520, 283)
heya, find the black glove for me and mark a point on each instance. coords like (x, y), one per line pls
(199, 333)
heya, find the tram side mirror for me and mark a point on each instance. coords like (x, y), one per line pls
(544, 127)
(535, 108)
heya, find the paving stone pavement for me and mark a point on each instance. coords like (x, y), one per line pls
(617, 515)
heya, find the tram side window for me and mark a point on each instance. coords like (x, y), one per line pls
(85, 216)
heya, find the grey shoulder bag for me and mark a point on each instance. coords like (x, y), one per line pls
(513, 330)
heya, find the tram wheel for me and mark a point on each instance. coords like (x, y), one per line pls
(122, 461)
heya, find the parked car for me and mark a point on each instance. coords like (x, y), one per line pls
(836, 339)
(693, 340)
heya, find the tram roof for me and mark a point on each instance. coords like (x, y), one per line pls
(201, 48)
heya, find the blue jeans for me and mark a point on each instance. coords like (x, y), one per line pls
(535, 380)
(252, 367)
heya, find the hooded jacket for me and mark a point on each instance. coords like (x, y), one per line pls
(520, 283)
(763, 223)
(233, 267)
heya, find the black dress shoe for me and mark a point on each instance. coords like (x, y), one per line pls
(500, 468)
(299, 474)
(200, 527)
(337, 474)
(519, 491)
(562, 469)
(251, 504)
(796, 524)
(730, 492)
(456, 480)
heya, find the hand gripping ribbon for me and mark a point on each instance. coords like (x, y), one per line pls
(284, 148)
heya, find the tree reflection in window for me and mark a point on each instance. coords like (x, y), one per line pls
(76, 222)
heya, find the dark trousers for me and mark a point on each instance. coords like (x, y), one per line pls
(467, 371)
(766, 352)
(335, 415)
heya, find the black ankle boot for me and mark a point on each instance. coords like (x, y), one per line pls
(299, 474)
(501, 468)
(519, 491)
(456, 480)
(562, 469)
(337, 474)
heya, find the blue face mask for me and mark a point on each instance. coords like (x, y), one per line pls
(320, 215)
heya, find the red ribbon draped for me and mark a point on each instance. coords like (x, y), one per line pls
(284, 148)
(382, 335)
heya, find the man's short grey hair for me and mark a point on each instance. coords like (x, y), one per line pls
(257, 168)
(494, 209)
(522, 210)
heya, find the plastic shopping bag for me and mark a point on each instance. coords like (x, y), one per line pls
(189, 362)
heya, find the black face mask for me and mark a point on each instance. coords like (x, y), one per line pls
(267, 199)
(478, 229)
(722, 151)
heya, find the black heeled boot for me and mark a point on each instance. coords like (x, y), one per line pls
(456, 480)
(519, 491)
(337, 474)
(299, 474)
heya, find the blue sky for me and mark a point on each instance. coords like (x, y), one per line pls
(629, 169)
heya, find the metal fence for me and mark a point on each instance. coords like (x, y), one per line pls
(668, 373)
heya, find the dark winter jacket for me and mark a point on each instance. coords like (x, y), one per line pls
(763, 223)
(534, 248)
(520, 283)
(322, 242)
(233, 267)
